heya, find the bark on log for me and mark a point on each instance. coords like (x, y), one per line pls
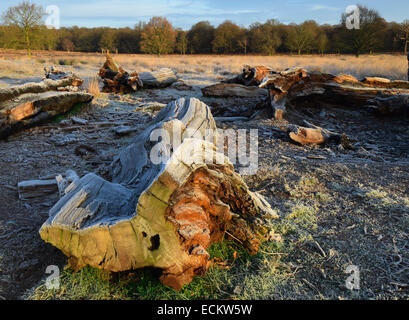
(226, 90)
(30, 109)
(251, 76)
(117, 80)
(162, 215)
(54, 73)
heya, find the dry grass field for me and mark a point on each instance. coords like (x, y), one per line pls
(16, 65)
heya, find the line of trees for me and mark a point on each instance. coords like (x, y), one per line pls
(22, 27)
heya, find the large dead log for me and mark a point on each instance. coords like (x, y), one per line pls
(37, 87)
(226, 90)
(161, 78)
(117, 80)
(251, 76)
(32, 103)
(31, 109)
(294, 87)
(160, 214)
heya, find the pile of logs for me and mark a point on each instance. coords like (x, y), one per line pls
(165, 214)
(33, 103)
(117, 80)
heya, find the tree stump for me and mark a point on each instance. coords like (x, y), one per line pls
(161, 214)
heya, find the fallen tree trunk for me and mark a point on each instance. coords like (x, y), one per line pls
(166, 203)
(36, 87)
(117, 80)
(161, 78)
(34, 108)
(251, 76)
(294, 87)
(226, 90)
(33, 103)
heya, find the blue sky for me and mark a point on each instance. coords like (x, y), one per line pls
(184, 13)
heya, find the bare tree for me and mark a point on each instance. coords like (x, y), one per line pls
(404, 30)
(67, 45)
(181, 41)
(243, 40)
(26, 16)
(322, 43)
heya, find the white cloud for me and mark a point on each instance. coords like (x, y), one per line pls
(318, 7)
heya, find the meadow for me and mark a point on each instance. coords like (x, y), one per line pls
(15, 64)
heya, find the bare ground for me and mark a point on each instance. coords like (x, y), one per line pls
(348, 207)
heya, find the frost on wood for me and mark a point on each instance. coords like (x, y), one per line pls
(162, 215)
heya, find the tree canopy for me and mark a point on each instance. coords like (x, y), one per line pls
(22, 28)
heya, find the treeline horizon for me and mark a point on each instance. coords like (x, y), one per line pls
(158, 36)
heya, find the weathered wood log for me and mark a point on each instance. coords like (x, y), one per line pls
(33, 189)
(117, 80)
(393, 105)
(251, 76)
(54, 73)
(226, 90)
(32, 103)
(161, 78)
(35, 87)
(30, 109)
(293, 87)
(36, 189)
(312, 134)
(164, 213)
